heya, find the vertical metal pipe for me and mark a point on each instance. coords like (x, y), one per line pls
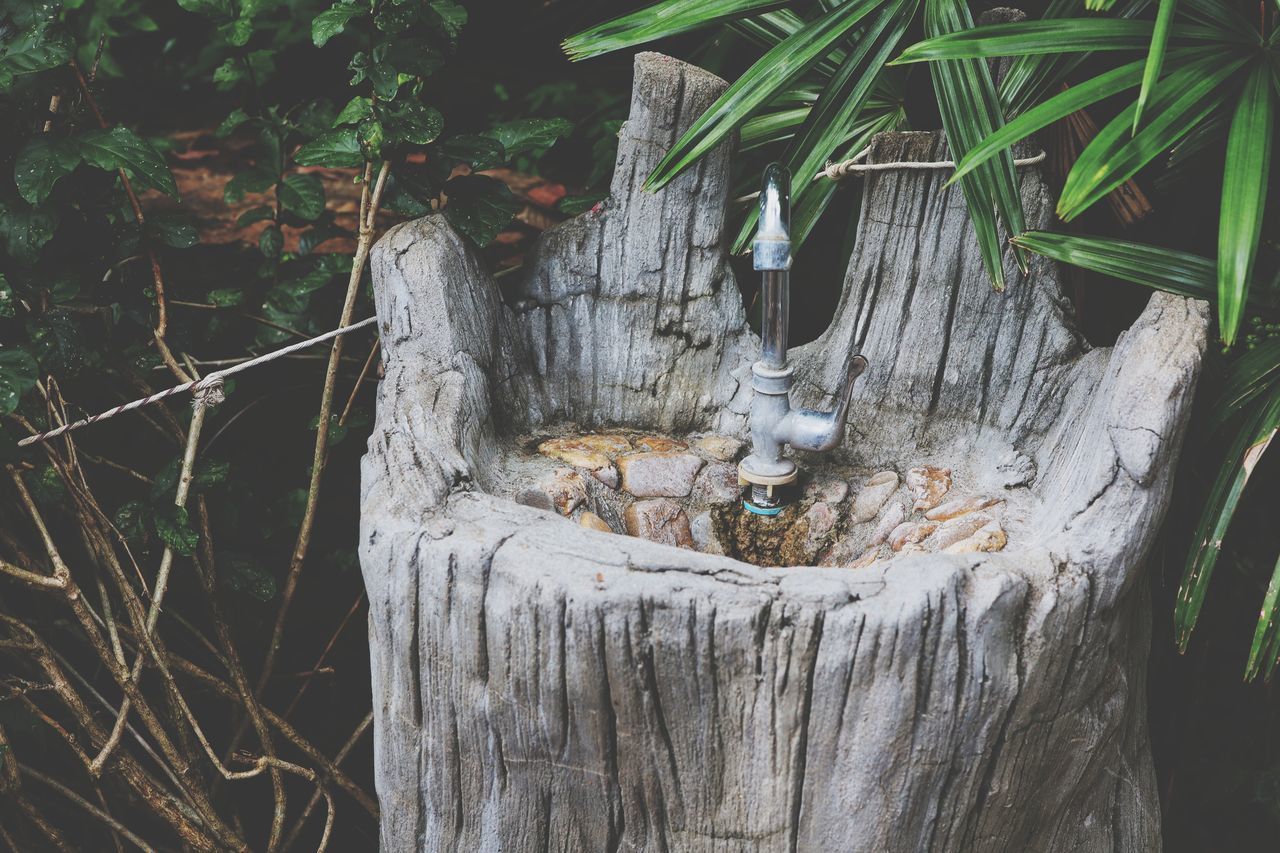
(775, 304)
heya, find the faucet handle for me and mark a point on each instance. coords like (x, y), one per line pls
(806, 429)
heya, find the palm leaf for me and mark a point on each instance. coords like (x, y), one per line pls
(1244, 195)
(1266, 635)
(1155, 57)
(1163, 269)
(772, 73)
(1247, 449)
(1189, 94)
(971, 112)
(1029, 38)
(660, 20)
(838, 108)
(1251, 375)
(1076, 98)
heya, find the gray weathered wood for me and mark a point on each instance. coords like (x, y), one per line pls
(541, 686)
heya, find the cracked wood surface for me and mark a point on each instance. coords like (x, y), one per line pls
(542, 686)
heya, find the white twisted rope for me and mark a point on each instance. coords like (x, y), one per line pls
(207, 391)
(855, 166)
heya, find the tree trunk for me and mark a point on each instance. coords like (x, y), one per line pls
(539, 685)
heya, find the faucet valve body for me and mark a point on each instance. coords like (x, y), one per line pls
(774, 424)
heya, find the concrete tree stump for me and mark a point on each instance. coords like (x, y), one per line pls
(539, 685)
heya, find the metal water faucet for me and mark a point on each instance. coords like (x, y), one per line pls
(774, 423)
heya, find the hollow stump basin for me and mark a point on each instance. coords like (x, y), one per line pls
(545, 680)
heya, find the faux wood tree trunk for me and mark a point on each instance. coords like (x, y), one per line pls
(539, 685)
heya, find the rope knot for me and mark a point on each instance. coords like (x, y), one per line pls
(208, 394)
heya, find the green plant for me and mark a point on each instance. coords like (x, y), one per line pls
(1220, 63)
(824, 87)
(123, 622)
(1218, 77)
(1248, 401)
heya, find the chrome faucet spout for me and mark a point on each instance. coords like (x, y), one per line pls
(774, 424)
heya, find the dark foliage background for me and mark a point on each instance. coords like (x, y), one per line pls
(84, 308)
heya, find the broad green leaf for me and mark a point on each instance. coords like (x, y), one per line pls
(255, 214)
(660, 20)
(1163, 269)
(572, 205)
(532, 135)
(1264, 635)
(480, 152)
(174, 229)
(1245, 181)
(25, 230)
(233, 120)
(131, 520)
(37, 49)
(771, 74)
(357, 110)
(243, 575)
(446, 16)
(225, 297)
(332, 21)
(271, 241)
(302, 195)
(121, 148)
(971, 112)
(174, 529)
(1027, 38)
(1155, 57)
(479, 207)
(1185, 97)
(339, 147)
(8, 302)
(18, 374)
(253, 180)
(1242, 459)
(40, 164)
(414, 123)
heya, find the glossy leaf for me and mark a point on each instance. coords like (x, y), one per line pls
(121, 148)
(18, 373)
(660, 20)
(337, 148)
(1187, 96)
(772, 74)
(1241, 461)
(1245, 181)
(332, 21)
(479, 207)
(41, 163)
(302, 195)
(531, 135)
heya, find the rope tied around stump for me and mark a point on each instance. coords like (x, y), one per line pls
(855, 166)
(206, 392)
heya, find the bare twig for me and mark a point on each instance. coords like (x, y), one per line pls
(337, 760)
(84, 805)
(324, 654)
(369, 202)
(355, 389)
